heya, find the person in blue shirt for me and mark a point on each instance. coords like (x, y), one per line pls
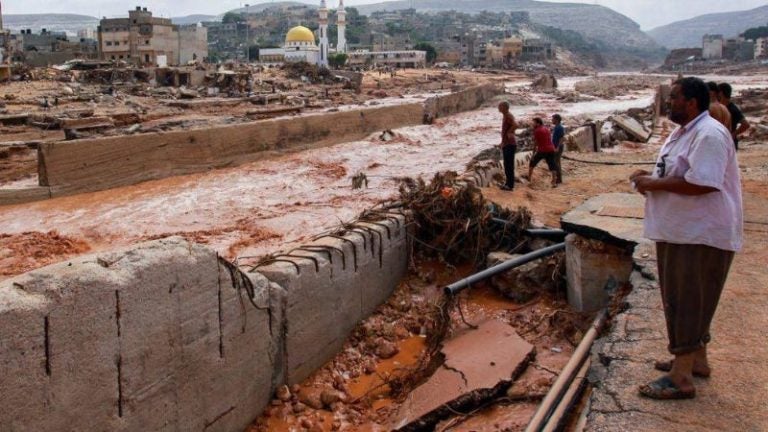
(558, 139)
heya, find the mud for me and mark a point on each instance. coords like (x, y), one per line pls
(26, 251)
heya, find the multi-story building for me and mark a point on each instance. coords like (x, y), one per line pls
(536, 50)
(146, 40)
(712, 47)
(761, 48)
(398, 59)
(737, 49)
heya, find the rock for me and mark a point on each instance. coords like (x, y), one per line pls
(299, 408)
(66, 90)
(523, 283)
(306, 423)
(311, 397)
(369, 367)
(283, 393)
(330, 397)
(386, 349)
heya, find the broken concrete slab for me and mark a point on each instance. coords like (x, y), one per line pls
(594, 270)
(618, 225)
(14, 119)
(479, 363)
(632, 127)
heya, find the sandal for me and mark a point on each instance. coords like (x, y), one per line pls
(666, 366)
(664, 389)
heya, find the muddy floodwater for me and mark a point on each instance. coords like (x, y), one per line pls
(257, 208)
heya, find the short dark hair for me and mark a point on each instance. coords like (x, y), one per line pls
(713, 86)
(694, 88)
(504, 104)
(725, 89)
(557, 117)
(538, 120)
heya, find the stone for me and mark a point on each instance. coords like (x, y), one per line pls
(330, 397)
(311, 397)
(386, 349)
(632, 127)
(522, 283)
(476, 361)
(283, 393)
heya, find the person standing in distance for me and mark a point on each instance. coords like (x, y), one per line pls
(739, 123)
(558, 139)
(693, 211)
(508, 145)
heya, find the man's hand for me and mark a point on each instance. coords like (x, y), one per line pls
(643, 183)
(638, 173)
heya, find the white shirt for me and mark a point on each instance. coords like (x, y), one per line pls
(703, 154)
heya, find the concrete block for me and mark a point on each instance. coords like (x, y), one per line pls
(159, 336)
(325, 300)
(592, 270)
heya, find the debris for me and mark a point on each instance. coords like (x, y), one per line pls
(632, 127)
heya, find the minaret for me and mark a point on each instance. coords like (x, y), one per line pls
(323, 60)
(341, 47)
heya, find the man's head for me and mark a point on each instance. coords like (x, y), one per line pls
(537, 122)
(689, 98)
(556, 119)
(714, 92)
(504, 107)
(725, 92)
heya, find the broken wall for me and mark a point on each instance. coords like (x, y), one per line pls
(585, 138)
(167, 335)
(103, 163)
(465, 100)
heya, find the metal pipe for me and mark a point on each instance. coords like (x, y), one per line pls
(569, 398)
(555, 394)
(459, 286)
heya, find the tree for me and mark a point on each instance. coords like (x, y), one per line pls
(756, 32)
(431, 51)
(253, 52)
(232, 17)
(337, 60)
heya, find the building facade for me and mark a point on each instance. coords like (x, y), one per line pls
(398, 59)
(761, 48)
(712, 47)
(142, 39)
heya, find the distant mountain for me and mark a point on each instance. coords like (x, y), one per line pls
(69, 23)
(688, 33)
(596, 22)
(256, 8)
(193, 19)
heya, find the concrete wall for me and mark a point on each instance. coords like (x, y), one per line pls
(585, 139)
(103, 163)
(465, 100)
(165, 335)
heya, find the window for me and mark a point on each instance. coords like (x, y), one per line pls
(146, 42)
(117, 43)
(109, 43)
(121, 57)
(146, 58)
(113, 57)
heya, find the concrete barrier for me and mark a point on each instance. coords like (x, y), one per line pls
(102, 163)
(167, 336)
(585, 138)
(465, 100)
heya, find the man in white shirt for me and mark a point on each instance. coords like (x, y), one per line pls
(694, 213)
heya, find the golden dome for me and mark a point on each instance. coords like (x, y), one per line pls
(300, 34)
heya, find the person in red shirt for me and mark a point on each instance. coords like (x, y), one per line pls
(545, 150)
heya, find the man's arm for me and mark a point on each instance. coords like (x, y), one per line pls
(743, 127)
(678, 185)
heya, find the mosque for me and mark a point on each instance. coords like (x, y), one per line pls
(300, 41)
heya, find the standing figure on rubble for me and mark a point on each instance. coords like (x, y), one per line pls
(558, 139)
(739, 123)
(508, 145)
(545, 150)
(717, 110)
(693, 212)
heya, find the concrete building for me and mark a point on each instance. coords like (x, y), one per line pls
(87, 33)
(536, 50)
(146, 40)
(712, 47)
(448, 51)
(738, 49)
(761, 48)
(398, 59)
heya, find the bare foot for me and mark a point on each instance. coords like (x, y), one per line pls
(700, 369)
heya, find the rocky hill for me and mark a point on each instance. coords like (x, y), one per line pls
(595, 22)
(69, 23)
(688, 33)
(193, 19)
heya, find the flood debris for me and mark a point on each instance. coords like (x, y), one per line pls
(478, 365)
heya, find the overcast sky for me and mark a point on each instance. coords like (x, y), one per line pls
(648, 13)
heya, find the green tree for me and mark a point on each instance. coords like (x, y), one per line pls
(232, 17)
(337, 60)
(431, 51)
(756, 32)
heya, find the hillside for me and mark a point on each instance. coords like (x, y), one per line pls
(595, 22)
(69, 23)
(193, 19)
(688, 33)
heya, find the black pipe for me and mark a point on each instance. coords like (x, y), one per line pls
(461, 285)
(547, 233)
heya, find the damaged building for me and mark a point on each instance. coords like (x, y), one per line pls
(142, 39)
